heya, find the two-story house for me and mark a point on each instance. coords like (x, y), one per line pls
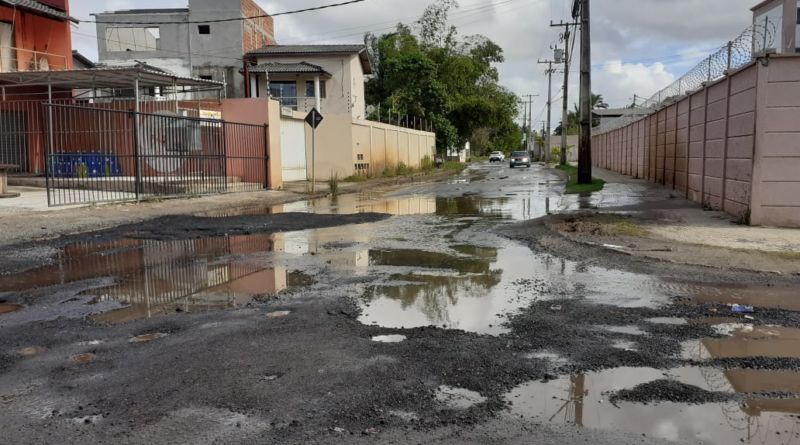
(35, 35)
(300, 76)
(190, 42)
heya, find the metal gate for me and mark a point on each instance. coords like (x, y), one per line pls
(293, 149)
(13, 143)
(97, 154)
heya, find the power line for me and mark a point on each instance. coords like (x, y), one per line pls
(234, 19)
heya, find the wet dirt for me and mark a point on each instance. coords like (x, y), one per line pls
(399, 328)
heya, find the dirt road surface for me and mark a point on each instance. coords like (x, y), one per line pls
(453, 312)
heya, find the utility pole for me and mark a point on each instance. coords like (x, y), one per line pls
(529, 121)
(525, 129)
(581, 8)
(549, 73)
(565, 105)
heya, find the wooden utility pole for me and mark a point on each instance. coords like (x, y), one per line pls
(585, 150)
(565, 104)
(528, 104)
(549, 72)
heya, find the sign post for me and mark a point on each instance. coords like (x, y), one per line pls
(314, 118)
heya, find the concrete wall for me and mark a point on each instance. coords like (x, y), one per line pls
(572, 146)
(731, 146)
(347, 146)
(776, 181)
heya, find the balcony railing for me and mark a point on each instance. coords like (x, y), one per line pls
(14, 59)
(302, 104)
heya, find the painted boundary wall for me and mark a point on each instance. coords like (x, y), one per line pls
(347, 146)
(733, 145)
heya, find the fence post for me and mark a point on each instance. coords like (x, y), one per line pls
(136, 167)
(225, 184)
(266, 156)
(730, 54)
(48, 150)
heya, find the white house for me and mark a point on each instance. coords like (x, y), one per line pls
(291, 73)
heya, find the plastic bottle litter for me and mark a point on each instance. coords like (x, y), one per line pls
(740, 309)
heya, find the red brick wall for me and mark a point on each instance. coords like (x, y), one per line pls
(257, 32)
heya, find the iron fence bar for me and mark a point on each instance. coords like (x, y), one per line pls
(266, 156)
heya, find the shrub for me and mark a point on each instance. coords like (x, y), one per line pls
(333, 184)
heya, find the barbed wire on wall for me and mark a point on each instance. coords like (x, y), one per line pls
(756, 39)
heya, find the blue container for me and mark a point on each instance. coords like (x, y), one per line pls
(84, 165)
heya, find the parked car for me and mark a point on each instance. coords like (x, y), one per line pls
(519, 158)
(497, 156)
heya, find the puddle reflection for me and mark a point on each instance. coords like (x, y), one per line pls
(583, 400)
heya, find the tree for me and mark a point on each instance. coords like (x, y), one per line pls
(574, 116)
(430, 72)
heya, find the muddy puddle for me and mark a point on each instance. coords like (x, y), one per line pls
(162, 277)
(745, 416)
(517, 207)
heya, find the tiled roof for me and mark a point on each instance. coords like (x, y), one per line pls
(288, 68)
(308, 49)
(38, 7)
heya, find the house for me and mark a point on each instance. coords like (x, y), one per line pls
(781, 19)
(79, 61)
(289, 73)
(177, 39)
(35, 35)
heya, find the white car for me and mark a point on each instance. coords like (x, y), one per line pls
(497, 156)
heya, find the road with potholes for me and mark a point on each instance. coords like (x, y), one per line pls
(439, 313)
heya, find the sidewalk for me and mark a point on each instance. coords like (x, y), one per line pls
(646, 219)
(27, 219)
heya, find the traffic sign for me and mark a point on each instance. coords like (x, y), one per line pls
(314, 118)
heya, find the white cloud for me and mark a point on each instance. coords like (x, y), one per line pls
(619, 81)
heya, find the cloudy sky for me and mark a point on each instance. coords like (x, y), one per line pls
(639, 46)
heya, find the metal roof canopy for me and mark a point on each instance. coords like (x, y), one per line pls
(107, 78)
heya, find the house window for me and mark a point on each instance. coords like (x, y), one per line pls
(204, 29)
(310, 88)
(132, 39)
(359, 157)
(285, 92)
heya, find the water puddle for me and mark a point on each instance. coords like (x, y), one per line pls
(583, 400)
(518, 208)
(458, 398)
(744, 341)
(83, 358)
(396, 338)
(674, 321)
(147, 338)
(627, 330)
(769, 297)
(7, 308)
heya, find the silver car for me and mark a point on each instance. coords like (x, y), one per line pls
(519, 158)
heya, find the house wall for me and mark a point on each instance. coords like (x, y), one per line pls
(256, 112)
(783, 14)
(184, 51)
(36, 33)
(729, 146)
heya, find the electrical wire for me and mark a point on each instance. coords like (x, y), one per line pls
(234, 19)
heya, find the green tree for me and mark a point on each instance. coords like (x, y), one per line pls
(429, 71)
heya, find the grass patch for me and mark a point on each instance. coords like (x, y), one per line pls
(453, 165)
(333, 184)
(572, 185)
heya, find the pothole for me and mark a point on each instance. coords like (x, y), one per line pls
(7, 308)
(458, 398)
(83, 358)
(145, 338)
(397, 338)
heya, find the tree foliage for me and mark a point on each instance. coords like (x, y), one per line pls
(429, 71)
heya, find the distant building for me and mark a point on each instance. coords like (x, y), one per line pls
(289, 73)
(79, 61)
(35, 35)
(602, 116)
(174, 41)
(784, 17)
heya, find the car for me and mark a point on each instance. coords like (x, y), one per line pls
(497, 156)
(519, 158)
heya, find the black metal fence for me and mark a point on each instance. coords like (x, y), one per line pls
(96, 154)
